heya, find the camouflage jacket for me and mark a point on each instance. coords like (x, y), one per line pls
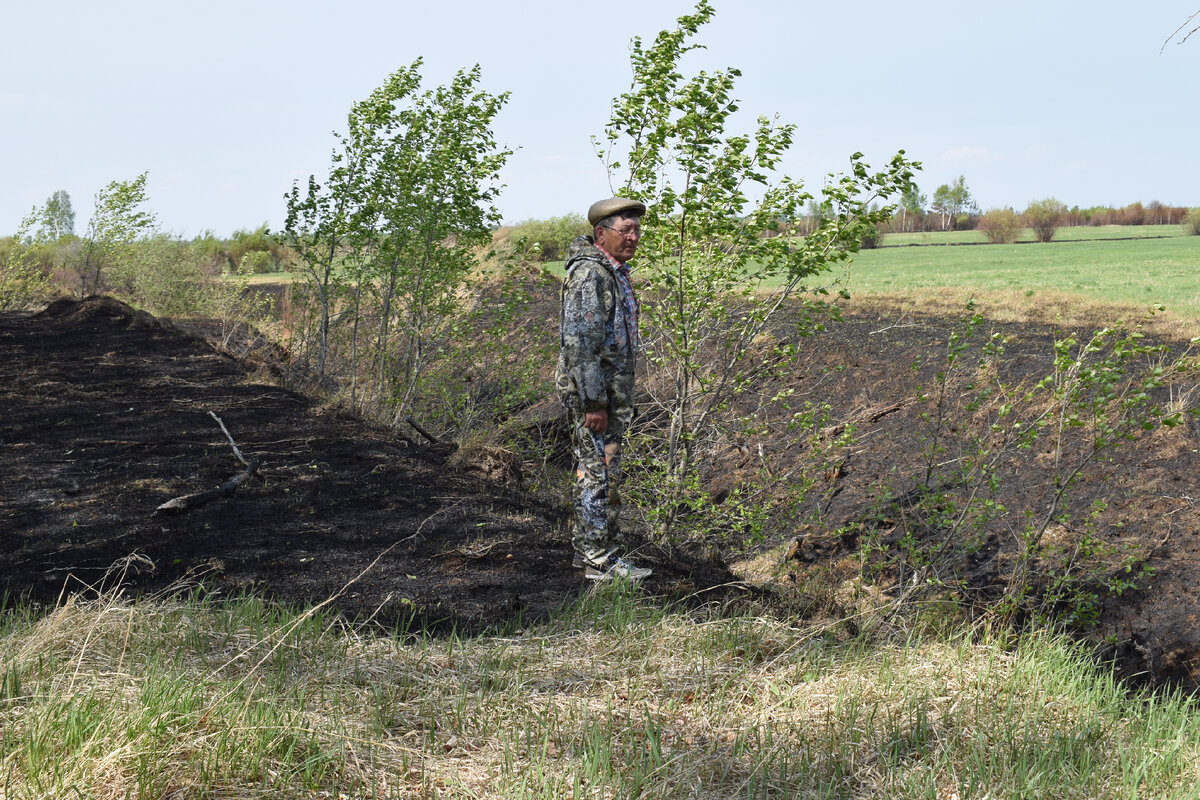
(598, 335)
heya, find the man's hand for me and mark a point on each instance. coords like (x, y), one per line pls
(596, 421)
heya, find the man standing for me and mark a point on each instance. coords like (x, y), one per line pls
(594, 379)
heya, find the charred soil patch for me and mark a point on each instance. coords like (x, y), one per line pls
(105, 415)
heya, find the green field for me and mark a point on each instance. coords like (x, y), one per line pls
(1079, 234)
(266, 277)
(1130, 265)
(1128, 272)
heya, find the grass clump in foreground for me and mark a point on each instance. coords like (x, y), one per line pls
(614, 698)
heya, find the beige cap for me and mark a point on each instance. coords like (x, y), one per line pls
(613, 205)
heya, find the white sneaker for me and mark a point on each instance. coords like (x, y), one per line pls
(617, 568)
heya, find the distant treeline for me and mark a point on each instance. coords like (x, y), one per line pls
(1153, 213)
(547, 240)
(246, 252)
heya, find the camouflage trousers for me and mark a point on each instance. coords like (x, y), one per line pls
(596, 526)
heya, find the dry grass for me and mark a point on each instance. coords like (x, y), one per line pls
(616, 698)
(1062, 309)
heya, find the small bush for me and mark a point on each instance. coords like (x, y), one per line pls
(871, 239)
(1000, 225)
(256, 262)
(552, 236)
(23, 281)
(22, 284)
(245, 242)
(1191, 222)
(213, 253)
(1044, 216)
(160, 276)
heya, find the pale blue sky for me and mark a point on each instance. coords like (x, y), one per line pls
(226, 103)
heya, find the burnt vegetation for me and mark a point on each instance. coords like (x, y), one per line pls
(912, 476)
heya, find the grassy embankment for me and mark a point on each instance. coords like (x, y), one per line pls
(1075, 234)
(615, 698)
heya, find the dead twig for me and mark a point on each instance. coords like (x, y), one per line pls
(866, 418)
(188, 501)
(417, 427)
(232, 443)
(896, 325)
(1177, 30)
(180, 504)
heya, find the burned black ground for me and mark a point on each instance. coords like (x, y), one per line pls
(106, 413)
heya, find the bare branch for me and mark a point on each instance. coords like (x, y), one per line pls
(187, 501)
(1186, 36)
(232, 444)
(417, 427)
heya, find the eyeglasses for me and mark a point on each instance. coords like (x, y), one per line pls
(632, 233)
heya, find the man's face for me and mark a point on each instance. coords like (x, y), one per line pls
(621, 239)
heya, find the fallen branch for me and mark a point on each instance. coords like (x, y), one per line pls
(867, 418)
(416, 426)
(188, 501)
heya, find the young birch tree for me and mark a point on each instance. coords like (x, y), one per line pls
(408, 202)
(22, 281)
(715, 276)
(56, 218)
(318, 227)
(119, 218)
(432, 178)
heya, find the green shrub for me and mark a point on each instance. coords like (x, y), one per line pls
(1044, 216)
(1097, 395)
(1191, 222)
(258, 240)
(256, 262)
(551, 236)
(212, 253)
(161, 276)
(23, 282)
(871, 238)
(1000, 225)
